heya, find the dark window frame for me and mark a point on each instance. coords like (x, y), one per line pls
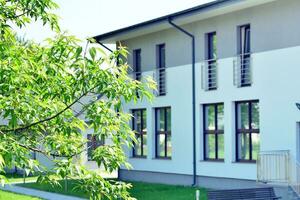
(211, 59)
(140, 133)
(167, 133)
(244, 53)
(137, 64)
(161, 67)
(215, 132)
(249, 131)
(92, 144)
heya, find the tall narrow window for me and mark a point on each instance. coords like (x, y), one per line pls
(211, 62)
(161, 69)
(139, 125)
(245, 55)
(213, 116)
(247, 130)
(163, 132)
(93, 143)
(137, 64)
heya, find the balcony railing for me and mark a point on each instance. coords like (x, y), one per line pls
(279, 167)
(160, 78)
(242, 70)
(295, 176)
(209, 75)
(273, 166)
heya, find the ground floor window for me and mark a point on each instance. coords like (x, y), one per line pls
(139, 126)
(163, 132)
(247, 130)
(213, 116)
(93, 143)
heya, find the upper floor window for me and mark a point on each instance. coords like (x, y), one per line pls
(161, 69)
(213, 131)
(163, 132)
(247, 130)
(93, 143)
(210, 68)
(243, 68)
(137, 64)
(139, 126)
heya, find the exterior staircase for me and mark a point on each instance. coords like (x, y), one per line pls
(279, 169)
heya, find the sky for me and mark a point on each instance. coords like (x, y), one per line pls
(86, 18)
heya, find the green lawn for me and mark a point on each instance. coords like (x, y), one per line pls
(12, 196)
(142, 191)
(18, 178)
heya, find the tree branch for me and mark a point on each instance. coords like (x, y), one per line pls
(49, 118)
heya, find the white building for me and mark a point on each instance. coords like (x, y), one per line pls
(228, 84)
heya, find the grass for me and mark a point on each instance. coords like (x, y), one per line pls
(141, 191)
(18, 178)
(4, 195)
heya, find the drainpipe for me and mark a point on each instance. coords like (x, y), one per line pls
(193, 96)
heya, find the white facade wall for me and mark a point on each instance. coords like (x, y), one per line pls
(275, 84)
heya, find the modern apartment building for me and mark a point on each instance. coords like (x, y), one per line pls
(228, 82)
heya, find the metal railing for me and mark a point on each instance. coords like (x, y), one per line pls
(279, 167)
(295, 176)
(209, 75)
(160, 78)
(242, 70)
(273, 166)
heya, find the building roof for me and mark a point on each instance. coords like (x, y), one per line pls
(203, 11)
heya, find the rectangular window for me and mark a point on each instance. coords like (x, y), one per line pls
(211, 61)
(247, 130)
(161, 69)
(93, 143)
(163, 132)
(137, 62)
(245, 55)
(213, 115)
(139, 126)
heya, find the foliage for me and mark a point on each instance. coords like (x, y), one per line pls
(40, 84)
(140, 190)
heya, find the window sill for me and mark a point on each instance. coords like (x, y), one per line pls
(162, 158)
(138, 157)
(245, 162)
(213, 161)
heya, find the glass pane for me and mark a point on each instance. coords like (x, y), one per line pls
(169, 146)
(255, 116)
(137, 146)
(220, 117)
(160, 119)
(145, 145)
(210, 146)
(210, 117)
(144, 120)
(161, 145)
(169, 119)
(137, 120)
(243, 147)
(220, 146)
(243, 116)
(212, 46)
(255, 145)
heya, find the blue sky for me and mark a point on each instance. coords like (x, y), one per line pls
(85, 18)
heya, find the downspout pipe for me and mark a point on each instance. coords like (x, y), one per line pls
(193, 95)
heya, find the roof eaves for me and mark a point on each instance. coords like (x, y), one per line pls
(162, 19)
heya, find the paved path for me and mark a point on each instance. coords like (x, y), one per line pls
(38, 193)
